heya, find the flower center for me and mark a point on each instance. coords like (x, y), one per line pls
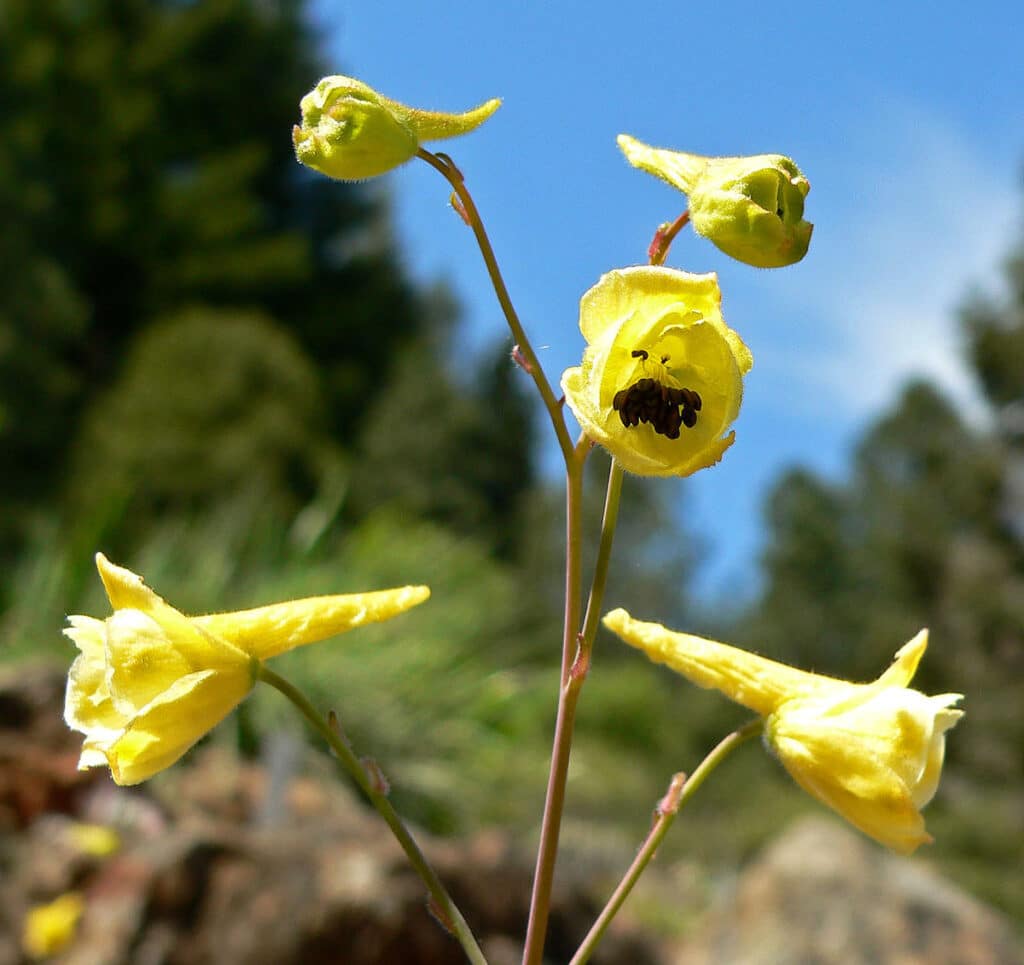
(665, 407)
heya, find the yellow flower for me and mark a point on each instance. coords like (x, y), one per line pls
(752, 208)
(871, 752)
(662, 374)
(351, 132)
(50, 928)
(149, 681)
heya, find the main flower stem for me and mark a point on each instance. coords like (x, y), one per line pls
(440, 899)
(576, 649)
(530, 362)
(679, 792)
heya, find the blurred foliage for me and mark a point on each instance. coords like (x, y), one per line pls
(468, 476)
(156, 445)
(146, 167)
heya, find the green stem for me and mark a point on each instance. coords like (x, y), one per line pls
(440, 899)
(680, 791)
(575, 664)
(530, 362)
(604, 555)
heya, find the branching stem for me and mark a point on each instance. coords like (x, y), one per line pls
(576, 648)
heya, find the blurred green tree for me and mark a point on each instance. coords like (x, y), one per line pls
(145, 166)
(474, 475)
(211, 407)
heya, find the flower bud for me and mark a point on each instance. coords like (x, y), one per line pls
(351, 132)
(752, 208)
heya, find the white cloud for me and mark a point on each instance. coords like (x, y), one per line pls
(925, 220)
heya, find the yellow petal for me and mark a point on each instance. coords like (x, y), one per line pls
(51, 928)
(873, 755)
(678, 168)
(169, 725)
(619, 293)
(96, 840)
(88, 705)
(127, 591)
(267, 631)
(753, 681)
(904, 664)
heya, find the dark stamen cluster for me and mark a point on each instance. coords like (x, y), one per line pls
(664, 407)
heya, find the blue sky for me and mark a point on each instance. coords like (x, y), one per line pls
(907, 118)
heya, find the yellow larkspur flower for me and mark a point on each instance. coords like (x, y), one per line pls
(351, 132)
(150, 681)
(662, 374)
(752, 208)
(871, 752)
(50, 928)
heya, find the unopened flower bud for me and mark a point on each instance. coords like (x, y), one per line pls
(351, 132)
(752, 208)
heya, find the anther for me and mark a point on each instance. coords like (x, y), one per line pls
(665, 407)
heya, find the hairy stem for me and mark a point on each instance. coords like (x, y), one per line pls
(441, 901)
(527, 357)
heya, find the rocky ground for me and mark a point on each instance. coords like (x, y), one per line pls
(235, 864)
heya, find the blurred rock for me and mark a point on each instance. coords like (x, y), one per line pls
(823, 895)
(38, 754)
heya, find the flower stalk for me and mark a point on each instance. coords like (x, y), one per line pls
(445, 909)
(469, 213)
(680, 790)
(664, 236)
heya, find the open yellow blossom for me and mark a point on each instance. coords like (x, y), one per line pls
(662, 374)
(752, 208)
(50, 928)
(351, 132)
(871, 752)
(150, 681)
